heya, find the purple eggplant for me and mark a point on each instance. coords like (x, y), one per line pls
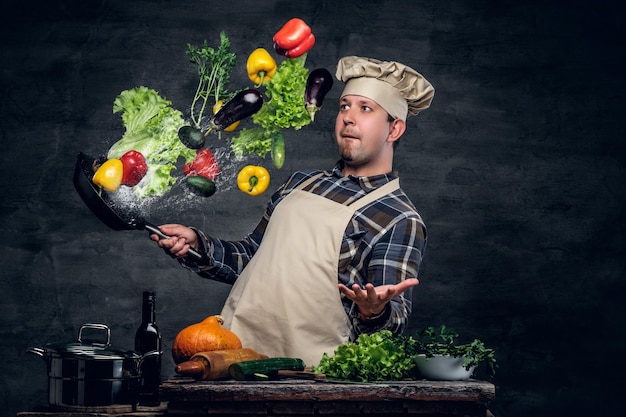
(318, 84)
(244, 104)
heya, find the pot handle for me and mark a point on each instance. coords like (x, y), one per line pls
(39, 351)
(95, 326)
(148, 355)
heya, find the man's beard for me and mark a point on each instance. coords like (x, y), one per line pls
(346, 157)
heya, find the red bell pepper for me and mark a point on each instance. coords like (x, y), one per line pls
(134, 168)
(294, 39)
(204, 165)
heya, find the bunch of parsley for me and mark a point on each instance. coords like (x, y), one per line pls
(214, 69)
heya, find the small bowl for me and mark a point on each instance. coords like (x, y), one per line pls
(442, 367)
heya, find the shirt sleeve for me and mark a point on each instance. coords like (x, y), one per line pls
(395, 257)
(223, 260)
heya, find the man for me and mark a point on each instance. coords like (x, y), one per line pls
(337, 252)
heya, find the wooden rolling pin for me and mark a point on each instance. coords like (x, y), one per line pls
(214, 364)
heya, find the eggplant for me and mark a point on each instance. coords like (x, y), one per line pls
(244, 104)
(318, 84)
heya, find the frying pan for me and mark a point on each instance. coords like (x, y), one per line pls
(113, 213)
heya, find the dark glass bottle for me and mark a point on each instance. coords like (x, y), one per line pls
(148, 339)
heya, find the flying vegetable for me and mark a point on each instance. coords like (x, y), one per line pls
(318, 84)
(253, 180)
(109, 175)
(294, 39)
(260, 66)
(244, 104)
(204, 165)
(230, 128)
(134, 168)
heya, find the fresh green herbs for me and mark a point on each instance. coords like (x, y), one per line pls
(214, 69)
(384, 356)
(443, 341)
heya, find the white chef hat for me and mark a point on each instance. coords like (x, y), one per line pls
(398, 89)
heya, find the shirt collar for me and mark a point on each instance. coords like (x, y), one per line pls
(366, 183)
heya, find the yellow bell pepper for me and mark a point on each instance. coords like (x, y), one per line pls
(253, 179)
(216, 107)
(260, 66)
(109, 175)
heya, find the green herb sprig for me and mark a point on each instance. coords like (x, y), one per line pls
(214, 69)
(443, 341)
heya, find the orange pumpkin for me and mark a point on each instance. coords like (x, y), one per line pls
(206, 336)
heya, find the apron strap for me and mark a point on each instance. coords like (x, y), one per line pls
(365, 200)
(309, 181)
(376, 194)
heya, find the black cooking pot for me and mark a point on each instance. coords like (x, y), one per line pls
(91, 373)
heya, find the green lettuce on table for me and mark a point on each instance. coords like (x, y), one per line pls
(380, 356)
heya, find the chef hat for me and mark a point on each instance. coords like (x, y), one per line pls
(398, 89)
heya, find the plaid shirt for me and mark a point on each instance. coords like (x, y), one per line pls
(383, 243)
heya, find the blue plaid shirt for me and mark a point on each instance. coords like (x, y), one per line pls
(383, 243)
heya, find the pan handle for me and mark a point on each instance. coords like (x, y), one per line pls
(154, 229)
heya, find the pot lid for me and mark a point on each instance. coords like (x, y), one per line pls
(89, 349)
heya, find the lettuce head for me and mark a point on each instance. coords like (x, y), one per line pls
(151, 125)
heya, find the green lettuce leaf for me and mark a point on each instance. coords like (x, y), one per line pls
(252, 141)
(285, 90)
(284, 109)
(152, 129)
(380, 356)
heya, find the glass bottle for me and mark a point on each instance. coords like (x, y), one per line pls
(148, 339)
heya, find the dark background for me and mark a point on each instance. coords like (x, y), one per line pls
(517, 169)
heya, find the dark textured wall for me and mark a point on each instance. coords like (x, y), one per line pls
(517, 169)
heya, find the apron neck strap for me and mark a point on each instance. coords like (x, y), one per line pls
(309, 181)
(365, 200)
(376, 194)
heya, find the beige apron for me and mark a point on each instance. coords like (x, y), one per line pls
(286, 302)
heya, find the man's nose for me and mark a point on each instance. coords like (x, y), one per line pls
(347, 117)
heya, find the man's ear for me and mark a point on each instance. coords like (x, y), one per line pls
(396, 129)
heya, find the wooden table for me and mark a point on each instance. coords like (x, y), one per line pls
(104, 411)
(301, 398)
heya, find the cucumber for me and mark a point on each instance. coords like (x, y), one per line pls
(201, 185)
(278, 150)
(262, 369)
(191, 137)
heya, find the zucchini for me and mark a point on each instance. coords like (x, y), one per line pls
(262, 369)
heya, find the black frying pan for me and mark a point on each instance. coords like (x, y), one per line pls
(110, 212)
